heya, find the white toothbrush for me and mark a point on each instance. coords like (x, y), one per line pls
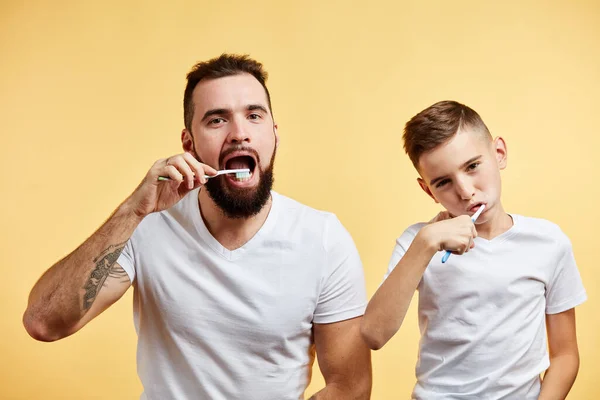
(239, 174)
(473, 218)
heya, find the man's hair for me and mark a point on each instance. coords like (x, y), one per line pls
(219, 67)
(436, 125)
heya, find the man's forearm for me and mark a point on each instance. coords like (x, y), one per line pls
(559, 378)
(66, 291)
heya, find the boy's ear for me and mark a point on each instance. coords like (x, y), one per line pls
(501, 152)
(426, 189)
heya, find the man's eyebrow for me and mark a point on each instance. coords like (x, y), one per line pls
(253, 107)
(215, 111)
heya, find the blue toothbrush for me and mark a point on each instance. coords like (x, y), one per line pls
(473, 218)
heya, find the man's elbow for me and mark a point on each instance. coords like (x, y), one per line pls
(40, 330)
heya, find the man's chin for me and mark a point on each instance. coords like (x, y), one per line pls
(241, 201)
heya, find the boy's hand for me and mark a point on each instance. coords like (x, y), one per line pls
(453, 234)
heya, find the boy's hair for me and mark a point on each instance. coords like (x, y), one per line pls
(220, 67)
(436, 125)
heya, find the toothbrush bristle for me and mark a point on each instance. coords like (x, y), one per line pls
(242, 175)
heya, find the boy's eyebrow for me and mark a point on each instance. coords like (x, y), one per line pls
(465, 164)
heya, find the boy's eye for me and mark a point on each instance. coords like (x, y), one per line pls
(254, 116)
(442, 183)
(473, 166)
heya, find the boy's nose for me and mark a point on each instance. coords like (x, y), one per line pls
(465, 190)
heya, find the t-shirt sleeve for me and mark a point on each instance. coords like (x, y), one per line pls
(402, 245)
(126, 260)
(565, 289)
(343, 292)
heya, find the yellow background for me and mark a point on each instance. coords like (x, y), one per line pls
(91, 92)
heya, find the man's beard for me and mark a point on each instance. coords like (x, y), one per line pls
(243, 202)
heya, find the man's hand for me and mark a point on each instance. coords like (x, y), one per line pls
(185, 174)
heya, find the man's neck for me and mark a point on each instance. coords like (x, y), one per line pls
(497, 225)
(231, 233)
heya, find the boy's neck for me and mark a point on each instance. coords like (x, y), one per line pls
(499, 223)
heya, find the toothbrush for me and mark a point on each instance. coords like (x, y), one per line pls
(473, 218)
(239, 173)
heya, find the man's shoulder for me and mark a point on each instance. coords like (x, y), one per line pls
(300, 217)
(178, 214)
(294, 209)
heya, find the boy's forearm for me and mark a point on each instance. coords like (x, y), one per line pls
(559, 378)
(66, 291)
(388, 307)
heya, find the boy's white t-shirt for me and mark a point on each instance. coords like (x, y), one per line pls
(482, 314)
(220, 324)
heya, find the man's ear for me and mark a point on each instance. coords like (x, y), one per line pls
(187, 141)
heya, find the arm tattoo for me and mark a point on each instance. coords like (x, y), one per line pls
(105, 267)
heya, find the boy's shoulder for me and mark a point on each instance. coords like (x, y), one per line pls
(525, 223)
(409, 234)
(538, 226)
(413, 229)
(526, 227)
(531, 227)
(532, 230)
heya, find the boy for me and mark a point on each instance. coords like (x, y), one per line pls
(485, 313)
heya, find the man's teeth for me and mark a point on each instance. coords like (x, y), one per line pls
(243, 176)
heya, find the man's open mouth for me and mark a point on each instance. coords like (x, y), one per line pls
(239, 160)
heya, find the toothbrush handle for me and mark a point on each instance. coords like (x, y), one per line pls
(473, 218)
(446, 256)
(166, 178)
(225, 171)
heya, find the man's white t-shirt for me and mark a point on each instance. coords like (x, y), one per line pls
(219, 324)
(482, 314)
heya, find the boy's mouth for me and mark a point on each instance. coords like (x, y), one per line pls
(473, 208)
